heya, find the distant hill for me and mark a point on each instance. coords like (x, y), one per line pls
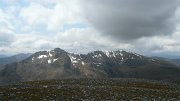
(176, 61)
(2, 56)
(59, 64)
(14, 58)
(173, 61)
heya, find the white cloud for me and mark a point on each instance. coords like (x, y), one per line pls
(35, 14)
(159, 45)
(6, 38)
(63, 12)
(89, 39)
(6, 30)
(36, 26)
(4, 21)
(74, 40)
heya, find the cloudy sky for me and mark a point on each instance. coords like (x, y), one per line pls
(149, 27)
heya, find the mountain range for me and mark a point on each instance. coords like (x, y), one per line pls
(59, 64)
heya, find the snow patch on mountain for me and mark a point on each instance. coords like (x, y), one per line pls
(96, 63)
(50, 54)
(107, 53)
(83, 63)
(97, 56)
(33, 59)
(49, 61)
(138, 55)
(42, 56)
(73, 59)
(113, 54)
(55, 60)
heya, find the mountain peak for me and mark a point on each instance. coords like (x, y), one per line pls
(57, 50)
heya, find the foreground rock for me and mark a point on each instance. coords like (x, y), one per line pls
(92, 90)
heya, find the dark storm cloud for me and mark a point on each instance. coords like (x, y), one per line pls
(131, 19)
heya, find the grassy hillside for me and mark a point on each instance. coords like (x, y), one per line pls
(91, 89)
